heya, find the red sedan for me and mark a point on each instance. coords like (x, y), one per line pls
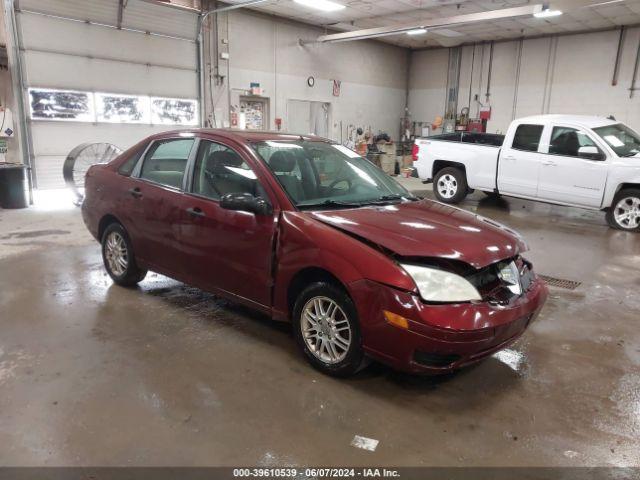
(309, 232)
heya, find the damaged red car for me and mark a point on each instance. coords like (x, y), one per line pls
(309, 232)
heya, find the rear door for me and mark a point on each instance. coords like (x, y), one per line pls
(226, 249)
(154, 193)
(519, 164)
(574, 168)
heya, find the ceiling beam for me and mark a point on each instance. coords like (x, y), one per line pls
(433, 24)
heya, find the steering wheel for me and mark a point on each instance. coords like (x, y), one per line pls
(340, 180)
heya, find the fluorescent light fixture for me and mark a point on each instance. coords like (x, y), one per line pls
(324, 5)
(417, 31)
(445, 32)
(547, 13)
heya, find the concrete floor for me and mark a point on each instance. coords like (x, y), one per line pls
(94, 374)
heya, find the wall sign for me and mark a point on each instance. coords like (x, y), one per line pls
(337, 84)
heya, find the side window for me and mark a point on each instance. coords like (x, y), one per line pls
(220, 170)
(568, 141)
(527, 137)
(127, 167)
(166, 162)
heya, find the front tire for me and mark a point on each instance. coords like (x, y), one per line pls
(450, 185)
(624, 213)
(118, 257)
(326, 328)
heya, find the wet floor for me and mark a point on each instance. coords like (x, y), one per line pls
(94, 374)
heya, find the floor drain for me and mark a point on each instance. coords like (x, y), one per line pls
(560, 283)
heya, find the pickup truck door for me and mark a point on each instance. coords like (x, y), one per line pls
(519, 161)
(574, 168)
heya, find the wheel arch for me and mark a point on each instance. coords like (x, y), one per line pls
(442, 164)
(305, 277)
(105, 221)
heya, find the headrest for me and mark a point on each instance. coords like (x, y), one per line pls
(282, 161)
(218, 161)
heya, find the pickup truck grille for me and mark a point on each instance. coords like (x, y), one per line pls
(493, 289)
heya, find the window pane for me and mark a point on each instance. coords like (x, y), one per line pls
(624, 141)
(220, 170)
(567, 141)
(122, 108)
(172, 111)
(167, 161)
(313, 173)
(47, 104)
(127, 167)
(527, 137)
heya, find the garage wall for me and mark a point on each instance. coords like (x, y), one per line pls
(563, 74)
(76, 55)
(373, 74)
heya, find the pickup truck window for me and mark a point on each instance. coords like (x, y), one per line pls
(624, 141)
(567, 141)
(527, 137)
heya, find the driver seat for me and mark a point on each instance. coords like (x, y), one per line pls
(283, 163)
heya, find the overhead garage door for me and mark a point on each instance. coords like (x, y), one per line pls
(88, 81)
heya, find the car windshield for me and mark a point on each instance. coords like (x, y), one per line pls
(624, 141)
(323, 175)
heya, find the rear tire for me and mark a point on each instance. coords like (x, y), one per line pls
(326, 328)
(450, 185)
(624, 213)
(118, 257)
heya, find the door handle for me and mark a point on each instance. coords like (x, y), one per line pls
(510, 159)
(549, 163)
(196, 212)
(135, 192)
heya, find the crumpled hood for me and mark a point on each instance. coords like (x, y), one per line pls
(429, 229)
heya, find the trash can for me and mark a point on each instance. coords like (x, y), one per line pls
(14, 186)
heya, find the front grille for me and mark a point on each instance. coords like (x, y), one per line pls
(435, 360)
(492, 288)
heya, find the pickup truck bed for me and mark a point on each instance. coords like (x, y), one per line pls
(492, 139)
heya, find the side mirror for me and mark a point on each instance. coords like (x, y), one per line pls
(591, 153)
(245, 202)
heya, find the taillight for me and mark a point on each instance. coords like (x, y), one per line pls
(415, 151)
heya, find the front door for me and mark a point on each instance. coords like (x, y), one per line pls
(519, 163)
(226, 249)
(574, 169)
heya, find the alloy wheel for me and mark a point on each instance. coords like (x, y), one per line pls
(116, 254)
(326, 330)
(627, 213)
(447, 186)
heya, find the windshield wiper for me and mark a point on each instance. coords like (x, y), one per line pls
(384, 199)
(330, 203)
(630, 154)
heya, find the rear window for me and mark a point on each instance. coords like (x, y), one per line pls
(127, 167)
(527, 137)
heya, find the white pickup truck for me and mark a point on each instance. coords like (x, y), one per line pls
(579, 161)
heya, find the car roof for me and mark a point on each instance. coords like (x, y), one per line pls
(245, 135)
(586, 121)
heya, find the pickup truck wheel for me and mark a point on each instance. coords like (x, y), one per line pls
(624, 213)
(450, 185)
(118, 257)
(325, 324)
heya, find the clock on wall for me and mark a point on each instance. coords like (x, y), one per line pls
(311, 81)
